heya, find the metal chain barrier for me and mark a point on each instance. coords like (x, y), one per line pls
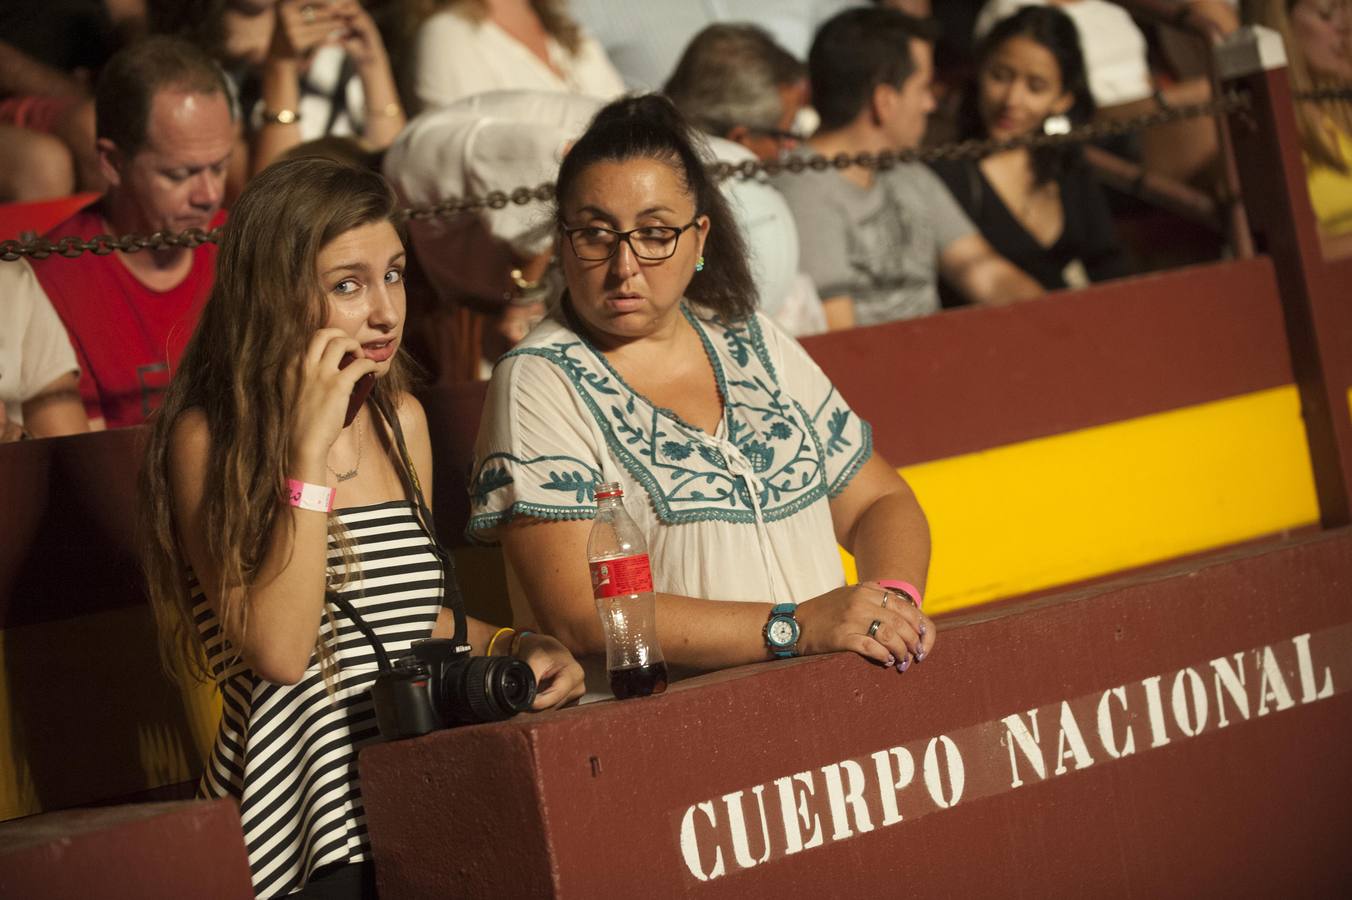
(1230, 102)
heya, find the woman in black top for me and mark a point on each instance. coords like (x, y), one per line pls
(1041, 209)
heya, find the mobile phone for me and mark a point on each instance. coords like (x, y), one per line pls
(360, 391)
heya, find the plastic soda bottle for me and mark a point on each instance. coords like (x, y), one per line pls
(622, 583)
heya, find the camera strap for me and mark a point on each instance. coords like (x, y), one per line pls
(451, 596)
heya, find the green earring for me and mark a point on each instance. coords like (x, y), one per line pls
(699, 264)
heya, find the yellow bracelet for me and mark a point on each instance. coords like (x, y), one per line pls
(494, 639)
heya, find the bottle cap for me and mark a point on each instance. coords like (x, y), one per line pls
(608, 489)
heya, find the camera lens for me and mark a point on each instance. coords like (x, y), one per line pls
(489, 689)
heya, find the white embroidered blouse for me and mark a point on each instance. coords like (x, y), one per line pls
(741, 514)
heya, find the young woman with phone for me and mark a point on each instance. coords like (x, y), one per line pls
(258, 501)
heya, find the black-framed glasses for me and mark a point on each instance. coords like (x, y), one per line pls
(651, 242)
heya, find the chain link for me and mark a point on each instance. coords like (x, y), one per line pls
(1337, 92)
(103, 244)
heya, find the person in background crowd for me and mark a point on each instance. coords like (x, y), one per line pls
(49, 55)
(875, 243)
(166, 131)
(304, 69)
(242, 565)
(739, 460)
(1040, 209)
(1318, 36)
(466, 47)
(645, 38)
(744, 91)
(39, 377)
(488, 270)
(1116, 58)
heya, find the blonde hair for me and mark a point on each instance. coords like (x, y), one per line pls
(1319, 140)
(238, 369)
(553, 15)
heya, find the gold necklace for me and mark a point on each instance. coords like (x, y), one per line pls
(352, 472)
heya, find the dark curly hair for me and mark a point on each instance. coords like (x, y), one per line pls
(650, 127)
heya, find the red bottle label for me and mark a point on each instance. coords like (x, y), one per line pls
(622, 576)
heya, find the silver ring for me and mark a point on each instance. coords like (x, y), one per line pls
(886, 594)
(873, 629)
(307, 14)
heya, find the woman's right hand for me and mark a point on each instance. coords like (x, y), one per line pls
(840, 620)
(323, 394)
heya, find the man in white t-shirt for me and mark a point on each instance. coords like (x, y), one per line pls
(736, 84)
(39, 378)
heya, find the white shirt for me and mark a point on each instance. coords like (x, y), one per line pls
(739, 515)
(34, 347)
(457, 57)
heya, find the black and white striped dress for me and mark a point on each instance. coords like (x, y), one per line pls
(289, 752)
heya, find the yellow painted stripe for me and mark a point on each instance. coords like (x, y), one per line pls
(86, 714)
(1055, 510)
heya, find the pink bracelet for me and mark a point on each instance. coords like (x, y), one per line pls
(905, 587)
(304, 495)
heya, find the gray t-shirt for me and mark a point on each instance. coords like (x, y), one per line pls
(880, 244)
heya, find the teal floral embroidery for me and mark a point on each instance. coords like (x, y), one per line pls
(738, 344)
(766, 443)
(676, 451)
(489, 480)
(582, 486)
(837, 442)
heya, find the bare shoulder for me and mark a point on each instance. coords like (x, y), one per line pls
(412, 417)
(189, 453)
(413, 421)
(190, 437)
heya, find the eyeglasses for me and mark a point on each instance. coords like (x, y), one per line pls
(651, 242)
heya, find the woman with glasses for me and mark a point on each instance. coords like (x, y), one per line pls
(741, 463)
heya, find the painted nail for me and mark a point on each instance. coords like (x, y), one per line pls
(920, 657)
(891, 660)
(922, 628)
(904, 664)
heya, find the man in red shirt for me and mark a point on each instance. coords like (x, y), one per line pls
(166, 129)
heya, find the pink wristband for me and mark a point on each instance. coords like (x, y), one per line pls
(304, 495)
(904, 587)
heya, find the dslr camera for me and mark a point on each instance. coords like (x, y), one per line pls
(440, 685)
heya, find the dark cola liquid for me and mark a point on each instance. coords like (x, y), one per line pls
(638, 681)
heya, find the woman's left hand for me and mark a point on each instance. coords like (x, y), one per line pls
(557, 673)
(361, 38)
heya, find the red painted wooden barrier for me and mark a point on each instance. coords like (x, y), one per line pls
(1182, 734)
(153, 851)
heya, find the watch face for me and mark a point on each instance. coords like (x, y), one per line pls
(781, 632)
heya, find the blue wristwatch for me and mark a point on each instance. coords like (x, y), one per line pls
(781, 631)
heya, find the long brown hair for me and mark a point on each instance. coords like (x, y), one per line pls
(553, 15)
(1320, 144)
(239, 370)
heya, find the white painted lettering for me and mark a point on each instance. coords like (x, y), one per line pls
(741, 846)
(1272, 685)
(690, 843)
(1069, 734)
(1017, 733)
(1186, 722)
(793, 806)
(888, 787)
(838, 797)
(1308, 694)
(1232, 679)
(957, 773)
(1155, 706)
(1105, 725)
